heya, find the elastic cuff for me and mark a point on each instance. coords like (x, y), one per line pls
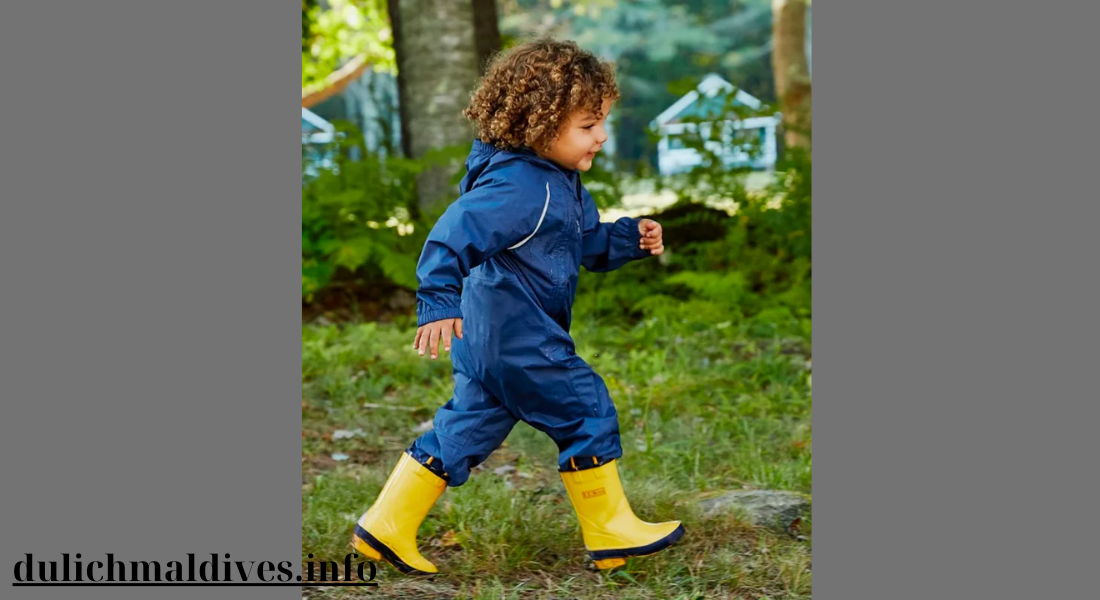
(582, 463)
(626, 237)
(423, 317)
(429, 462)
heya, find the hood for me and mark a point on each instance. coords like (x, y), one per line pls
(482, 155)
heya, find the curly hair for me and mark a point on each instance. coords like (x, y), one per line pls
(529, 91)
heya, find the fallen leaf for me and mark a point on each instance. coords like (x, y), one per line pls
(447, 540)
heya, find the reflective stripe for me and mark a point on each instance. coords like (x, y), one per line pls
(543, 216)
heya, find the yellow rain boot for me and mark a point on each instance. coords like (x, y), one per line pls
(611, 531)
(388, 529)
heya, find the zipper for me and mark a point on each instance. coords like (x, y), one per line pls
(580, 207)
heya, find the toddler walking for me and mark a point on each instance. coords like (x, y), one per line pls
(497, 279)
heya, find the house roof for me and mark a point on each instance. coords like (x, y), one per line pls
(336, 82)
(711, 104)
(311, 123)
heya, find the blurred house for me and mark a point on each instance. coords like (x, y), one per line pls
(316, 130)
(367, 100)
(714, 107)
(317, 150)
(355, 99)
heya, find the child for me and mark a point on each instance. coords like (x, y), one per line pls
(499, 270)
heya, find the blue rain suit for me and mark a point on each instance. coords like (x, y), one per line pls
(505, 258)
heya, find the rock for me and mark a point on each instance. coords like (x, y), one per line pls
(768, 508)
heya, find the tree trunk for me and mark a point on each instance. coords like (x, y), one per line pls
(792, 75)
(398, 50)
(437, 71)
(486, 32)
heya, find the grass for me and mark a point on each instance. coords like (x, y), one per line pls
(701, 409)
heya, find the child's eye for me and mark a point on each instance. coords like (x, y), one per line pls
(589, 126)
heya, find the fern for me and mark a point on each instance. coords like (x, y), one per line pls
(725, 288)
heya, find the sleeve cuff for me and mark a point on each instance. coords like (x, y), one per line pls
(627, 239)
(425, 316)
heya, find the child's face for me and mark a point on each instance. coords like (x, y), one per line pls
(580, 139)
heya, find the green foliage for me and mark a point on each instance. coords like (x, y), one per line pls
(358, 217)
(751, 270)
(345, 29)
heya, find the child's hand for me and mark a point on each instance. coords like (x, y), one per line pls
(652, 239)
(429, 335)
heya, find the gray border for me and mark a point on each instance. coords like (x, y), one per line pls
(150, 244)
(955, 300)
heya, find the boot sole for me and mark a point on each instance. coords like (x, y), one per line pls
(385, 553)
(609, 559)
